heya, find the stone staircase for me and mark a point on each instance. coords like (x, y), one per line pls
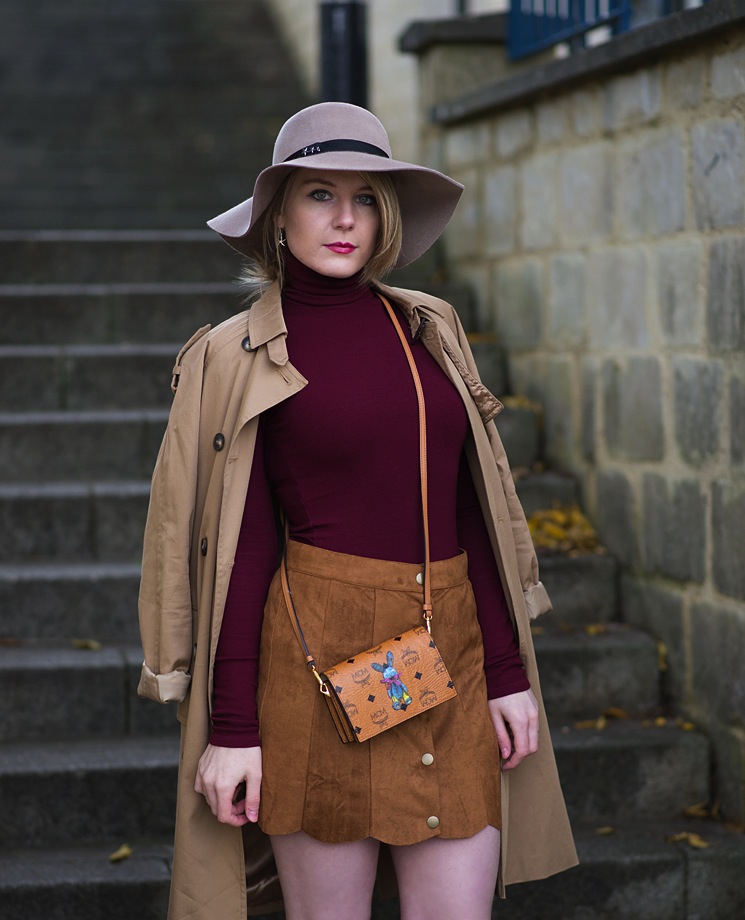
(136, 113)
(92, 322)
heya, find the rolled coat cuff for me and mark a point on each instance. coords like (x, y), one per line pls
(163, 688)
(537, 600)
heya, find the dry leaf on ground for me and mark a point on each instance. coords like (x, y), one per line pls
(124, 852)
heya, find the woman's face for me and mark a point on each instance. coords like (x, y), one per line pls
(331, 221)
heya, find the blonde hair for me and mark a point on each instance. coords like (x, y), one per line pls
(267, 266)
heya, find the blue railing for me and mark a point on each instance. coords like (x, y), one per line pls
(538, 24)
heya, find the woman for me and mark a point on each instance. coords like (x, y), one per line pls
(305, 406)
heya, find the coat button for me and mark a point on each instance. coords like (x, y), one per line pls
(218, 442)
(420, 578)
(246, 344)
(433, 821)
(428, 760)
(203, 546)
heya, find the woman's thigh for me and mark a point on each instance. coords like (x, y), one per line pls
(448, 879)
(324, 880)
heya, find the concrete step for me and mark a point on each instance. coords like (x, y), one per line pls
(82, 314)
(634, 873)
(85, 791)
(97, 601)
(82, 883)
(46, 378)
(630, 769)
(584, 674)
(582, 587)
(90, 257)
(54, 691)
(60, 446)
(73, 522)
(543, 490)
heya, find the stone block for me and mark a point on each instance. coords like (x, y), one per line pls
(660, 611)
(718, 677)
(539, 207)
(491, 362)
(543, 490)
(466, 144)
(566, 299)
(728, 533)
(586, 194)
(513, 132)
(585, 114)
(500, 213)
(551, 120)
(519, 429)
(678, 277)
(651, 183)
(632, 99)
(725, 308)
(718, 173)
(685, 82)
(560, 435)
(674, 528)
(464, 236)
(615, 513)
(589, 406)
(699, 392)
(737, 420)
(617, 298)
(519, 303)
(632, 409)
(728, 74)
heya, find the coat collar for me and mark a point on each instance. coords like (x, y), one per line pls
(266, 326)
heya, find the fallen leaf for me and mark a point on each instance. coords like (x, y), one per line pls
(685, 725)
(124, 852)
(605, 831)
(660, 721)
(91, 645)
(661, 656)
(615, 712)
(537, 630)
(599, 724)
(595, 629)
(693, 840)
(699, 810)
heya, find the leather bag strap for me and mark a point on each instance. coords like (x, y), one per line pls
(427, 591)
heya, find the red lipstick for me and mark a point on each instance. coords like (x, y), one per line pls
(341, 248)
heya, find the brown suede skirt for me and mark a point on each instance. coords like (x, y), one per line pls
(435, 774)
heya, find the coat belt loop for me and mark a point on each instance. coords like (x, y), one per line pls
(277, 350)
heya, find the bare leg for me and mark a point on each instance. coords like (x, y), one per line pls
(448, 879)
(321, 881)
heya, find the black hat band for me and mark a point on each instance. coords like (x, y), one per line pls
(336, 146)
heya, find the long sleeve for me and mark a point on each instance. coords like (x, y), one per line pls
(503, 666)
(234, 714)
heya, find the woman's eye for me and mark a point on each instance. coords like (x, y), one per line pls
(320, 194)
(367, 200)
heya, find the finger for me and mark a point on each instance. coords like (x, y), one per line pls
(253, 797)
(504, 739)
(226, 811)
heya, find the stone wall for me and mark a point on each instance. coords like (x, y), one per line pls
(603, 229)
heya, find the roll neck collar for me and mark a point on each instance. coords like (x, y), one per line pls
(306, 287)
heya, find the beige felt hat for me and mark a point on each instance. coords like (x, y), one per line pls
(337, 135)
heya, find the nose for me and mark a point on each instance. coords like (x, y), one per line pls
(344, 217)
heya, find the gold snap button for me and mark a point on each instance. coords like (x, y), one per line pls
(428, 760)
(420, 578)
(433, 821)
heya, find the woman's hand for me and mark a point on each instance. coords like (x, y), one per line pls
(515, 719)
(220, 772)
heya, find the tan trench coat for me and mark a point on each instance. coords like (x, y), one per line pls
(224, 379)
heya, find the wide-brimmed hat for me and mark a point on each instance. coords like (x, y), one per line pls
(337, 135)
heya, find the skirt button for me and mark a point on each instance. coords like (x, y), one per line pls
(428, 760)
(420, 578)
(433, 821)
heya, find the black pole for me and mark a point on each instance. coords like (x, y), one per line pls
(344, 51)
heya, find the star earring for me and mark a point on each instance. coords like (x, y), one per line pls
(281, 239)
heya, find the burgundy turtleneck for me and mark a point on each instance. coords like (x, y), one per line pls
(341, 458)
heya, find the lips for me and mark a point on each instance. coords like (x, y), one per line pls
(343, 249)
